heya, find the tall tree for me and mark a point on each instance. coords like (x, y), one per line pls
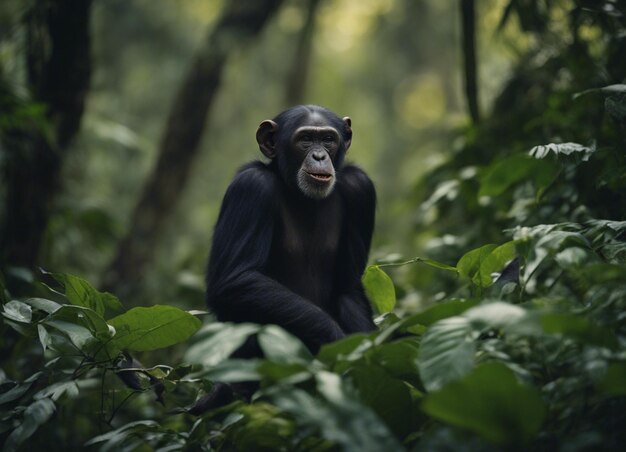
(468, 25)
(58, 66)
(298, 73)
(239, 23)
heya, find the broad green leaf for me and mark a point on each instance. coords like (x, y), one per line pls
(285, 372)
(479, 265)
(80, 336)
(278, 345)
(503, 174)
(337, 415)
(446, 352)
(19, 390)
(83, 317)
(495, 315)
(399, 359)
(17, 311)
(379, 289)
(494, 262)
(47, 306)
(144, 329)
(215, 342)
(56, 390)
(35, 415)
(440, 311)
(122, 434)
(347, 349)
(80, 293)
(471, 261)
(231, 370)
(490, 402)
(389, 397)
(44, 337)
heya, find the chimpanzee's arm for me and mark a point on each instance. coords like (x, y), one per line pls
(359, 195)
(238, 290)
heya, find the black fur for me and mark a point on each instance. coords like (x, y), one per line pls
(280, 257)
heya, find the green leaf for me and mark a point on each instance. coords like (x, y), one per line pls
(490, 402)
(44, 337)
(144, 329)
(496, 314)
(389, 397)
(17, 311)
(479, 264)
(85, 328)
(470, 263)
(19, 390)
(35, 415)
(347, 349)
(80, 336)
(56, 390)
(280, 346)
(122, 434)
(291, 373)
(215, 342)
(399, 359)
(446, 352)
(232, 370)
(47, 306)
(337, 414)
(440, 311)
(80, 293)
(379, 289)
(504, 174)
(494, 262)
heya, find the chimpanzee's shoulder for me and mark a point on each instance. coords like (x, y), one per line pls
(255, 176)
(355, 184)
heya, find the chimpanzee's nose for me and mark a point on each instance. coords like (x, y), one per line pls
(319, 155)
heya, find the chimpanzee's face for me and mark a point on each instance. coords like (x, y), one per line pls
(309, 151)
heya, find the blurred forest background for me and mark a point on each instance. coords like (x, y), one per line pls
(130, 194)
(494, 131)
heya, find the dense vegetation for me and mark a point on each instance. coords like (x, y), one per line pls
(508, 332)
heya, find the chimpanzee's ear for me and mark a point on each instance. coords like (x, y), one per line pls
(348, 122)
(265, 138)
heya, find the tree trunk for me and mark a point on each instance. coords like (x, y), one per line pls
(298, 74)
(468, 21)
(241, 21)
(59, 69)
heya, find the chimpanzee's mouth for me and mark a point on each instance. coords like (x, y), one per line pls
(321, 177)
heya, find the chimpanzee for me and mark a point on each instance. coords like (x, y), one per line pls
(293, 235)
